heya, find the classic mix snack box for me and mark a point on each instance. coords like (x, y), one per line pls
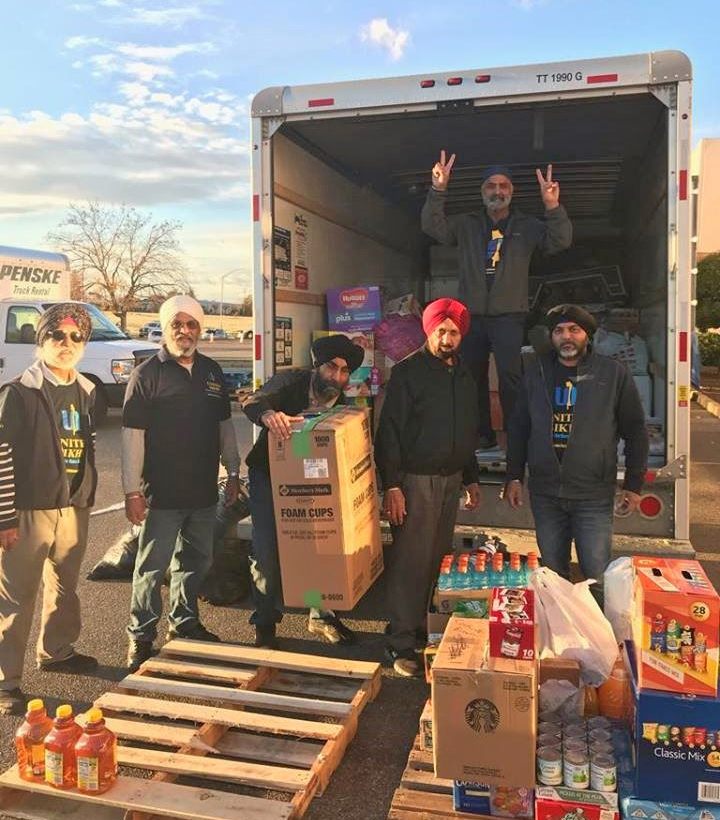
(676, 626)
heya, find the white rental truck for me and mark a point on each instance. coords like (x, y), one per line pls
(340, 172)
(31, 281)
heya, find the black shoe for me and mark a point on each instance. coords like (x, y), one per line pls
(265, 637)
(197, 633)
(12, 702)
(77, 663)
(138, 653)
(487, 442)
(405, 664)
(332, 629)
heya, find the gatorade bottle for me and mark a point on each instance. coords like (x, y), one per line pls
(497, 573)
(515, 575)
(464, 576)
(444, 578)
(95, 753)
(531, 565)
(29, 742)
(482, 581)
(60, 766)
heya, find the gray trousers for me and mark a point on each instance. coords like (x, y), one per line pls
(50, 548)
(414, 557)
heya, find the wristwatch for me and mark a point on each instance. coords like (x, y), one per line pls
(233, 474)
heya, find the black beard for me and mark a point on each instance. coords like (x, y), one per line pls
(323, 388)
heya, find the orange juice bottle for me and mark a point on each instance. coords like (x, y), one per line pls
(60, 766)
(29, 740)
(95, 753)
(614, 694)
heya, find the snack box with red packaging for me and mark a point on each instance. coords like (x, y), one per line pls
(560, 803)
(512, 623)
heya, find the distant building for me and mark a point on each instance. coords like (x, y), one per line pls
(706, 197)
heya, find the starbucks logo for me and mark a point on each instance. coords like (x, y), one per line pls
(482, 716)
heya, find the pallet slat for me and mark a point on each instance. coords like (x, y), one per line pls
(249, 774)
(282, 751)
(250, 656)
(167, 799)
(408, 804)
(312, 685)
(201, 671)
(241, 697)
(154, 707)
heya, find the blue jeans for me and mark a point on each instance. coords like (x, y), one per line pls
(183, 541)
(590, 523)
(264, 559)
(503, 335)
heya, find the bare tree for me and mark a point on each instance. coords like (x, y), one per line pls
(121, 255)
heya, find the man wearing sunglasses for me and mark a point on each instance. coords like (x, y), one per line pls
(47, 487)
(176, 429)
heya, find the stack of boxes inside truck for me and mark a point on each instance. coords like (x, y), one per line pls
(645, 743)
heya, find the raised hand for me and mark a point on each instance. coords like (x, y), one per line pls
(549, 190)
(441, 172)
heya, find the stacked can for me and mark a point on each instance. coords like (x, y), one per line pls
(577, 753)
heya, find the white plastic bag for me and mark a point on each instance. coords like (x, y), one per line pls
(573, 626)
(618, 597)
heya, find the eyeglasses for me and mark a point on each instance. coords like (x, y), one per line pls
(60, 336)
(191, 324)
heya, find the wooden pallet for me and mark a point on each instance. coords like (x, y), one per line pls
(421, 795)
(257, 720)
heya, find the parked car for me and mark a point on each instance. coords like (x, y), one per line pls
(213, 334)
(244, 335)
(155, 335)
(144, 332)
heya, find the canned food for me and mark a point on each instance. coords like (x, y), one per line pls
(599, 722)
(574, 730)
(547, 728)
(575, 744)
(549, 716)
(576, 770)
(600, 747)
(549, 741)
(549, 766)
(600, 734)
(603, 773)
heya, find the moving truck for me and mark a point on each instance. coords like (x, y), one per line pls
(30, 281)
(340, 172)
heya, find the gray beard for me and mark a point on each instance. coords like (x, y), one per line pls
(324, 391)
(495, 203)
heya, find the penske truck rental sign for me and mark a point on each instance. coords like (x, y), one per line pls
(33, 280)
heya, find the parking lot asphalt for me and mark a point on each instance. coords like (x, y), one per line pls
(363, 785)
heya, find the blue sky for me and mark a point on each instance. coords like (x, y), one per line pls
(146, 102)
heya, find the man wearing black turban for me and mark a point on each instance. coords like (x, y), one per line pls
(274, 408)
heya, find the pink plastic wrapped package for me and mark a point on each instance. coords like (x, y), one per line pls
(399, 336)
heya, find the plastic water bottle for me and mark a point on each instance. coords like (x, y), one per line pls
(515, 576)
(497, 573)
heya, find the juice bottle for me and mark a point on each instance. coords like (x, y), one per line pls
(464, 577)
(614, 694)
(497, 573)
(95, 752)
(515, 575)
(29, 740)
(60, 766)
(482, 581)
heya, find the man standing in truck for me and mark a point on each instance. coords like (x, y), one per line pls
(425, 453)
(47, 487)
(494, 250)
(274, 407)
(573, 407)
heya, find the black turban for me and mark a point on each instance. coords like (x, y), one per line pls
(338, 346)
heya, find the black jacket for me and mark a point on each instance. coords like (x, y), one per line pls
(607, 409)
(286, 392)
(524, 234)
(31, 459)
(429, 421)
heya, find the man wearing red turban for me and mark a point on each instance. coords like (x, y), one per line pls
(425, 453)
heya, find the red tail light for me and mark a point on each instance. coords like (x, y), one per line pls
(427, 83)
(454, 81)
(650, 506)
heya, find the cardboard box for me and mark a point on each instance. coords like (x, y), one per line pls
(326, 510)
(677, 744)
(426, 732)
(512, 623)
(473, 798)
(355, 308)
(676, 626)
(558, 669)
(560, 803)
(449, 600)
(437, 621)
(429, 655)
(633, 808)
(484, 710)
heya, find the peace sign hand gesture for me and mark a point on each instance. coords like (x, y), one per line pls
(549, 190)
(441, 172)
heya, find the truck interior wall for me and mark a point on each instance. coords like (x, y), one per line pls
(354, 237)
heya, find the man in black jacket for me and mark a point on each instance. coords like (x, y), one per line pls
(274, 407)
(425, 453)
(47, 487)
(494, 251)
(574, 406)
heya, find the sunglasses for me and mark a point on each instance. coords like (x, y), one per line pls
(60, 336)
(191, 324)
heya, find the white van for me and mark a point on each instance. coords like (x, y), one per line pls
(30, 282)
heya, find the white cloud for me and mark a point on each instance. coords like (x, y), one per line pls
(175, 17)
(147, 72)
(162, 54)
(379, 32)
(80, 41)
(111, 4)
(134, 93)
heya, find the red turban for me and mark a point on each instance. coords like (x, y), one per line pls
(442, 309)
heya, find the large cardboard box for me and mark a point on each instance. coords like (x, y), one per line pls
(484, 710)
(676, 626)
(677, 744)
(326, 510)
(355, 308)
